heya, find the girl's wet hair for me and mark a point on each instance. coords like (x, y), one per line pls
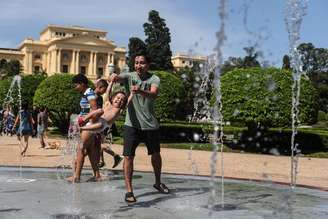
(119, 92)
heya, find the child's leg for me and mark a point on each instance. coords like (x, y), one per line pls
(25, 144)
(85, 138)
(108, 150)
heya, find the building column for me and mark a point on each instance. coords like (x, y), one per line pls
(30, 60)
(59, 61)
(77, 62)
(72, 67)
(95, 64)
(90, 67)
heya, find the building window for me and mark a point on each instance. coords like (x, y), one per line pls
(83, 58)
(83, 70)
(37, 56)
(100, 60)
(100, 72)
(65, 69)
(65, 56)
(36, 68)
(183, 62)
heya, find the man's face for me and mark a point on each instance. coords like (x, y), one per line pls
(141, 65)
(100, 90)
(78, 87)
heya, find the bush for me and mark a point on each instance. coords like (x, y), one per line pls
(168, 103)
(255, 95)
(175, 132)
(57, 94)
(29, 85)
(322, 116)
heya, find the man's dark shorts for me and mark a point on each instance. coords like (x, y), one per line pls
(132, 138)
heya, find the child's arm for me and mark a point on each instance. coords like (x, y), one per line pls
(16, 121)
(109, 90)
(93, 126)
(95, 115)
(129, 99)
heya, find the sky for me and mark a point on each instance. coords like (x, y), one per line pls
(192, 23)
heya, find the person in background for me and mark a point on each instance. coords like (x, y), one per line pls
(24, 122)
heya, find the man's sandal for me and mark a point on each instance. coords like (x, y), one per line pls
(129, 197)
(162, 188)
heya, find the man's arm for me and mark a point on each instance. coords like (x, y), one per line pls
(152, 93)
(118, 78)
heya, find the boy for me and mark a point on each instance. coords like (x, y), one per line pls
(87, 103)
(101, 88)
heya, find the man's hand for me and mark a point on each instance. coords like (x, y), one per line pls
(135, 89)
(113, 77)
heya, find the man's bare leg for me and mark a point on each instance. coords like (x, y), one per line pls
(128, 172)
(156, 161)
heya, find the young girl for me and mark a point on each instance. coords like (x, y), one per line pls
(24, 121)
(101, 119)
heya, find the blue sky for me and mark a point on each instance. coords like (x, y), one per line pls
(192, 23)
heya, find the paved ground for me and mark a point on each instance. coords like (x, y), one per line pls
(312, 171)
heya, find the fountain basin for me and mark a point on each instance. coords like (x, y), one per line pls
(43, 193)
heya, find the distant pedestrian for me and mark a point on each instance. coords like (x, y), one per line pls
(24, 122)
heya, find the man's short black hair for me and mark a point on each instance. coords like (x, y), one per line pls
(145, 55)
(102, 83)
(80, 79)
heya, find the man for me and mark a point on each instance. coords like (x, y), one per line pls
(87, 103)
(140, 122)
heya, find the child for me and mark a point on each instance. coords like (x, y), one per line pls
(24, 121)
(101, 88)
(87, 104)
(42, 125)
(101, 119)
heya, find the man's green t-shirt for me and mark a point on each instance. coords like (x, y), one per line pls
(140, 113)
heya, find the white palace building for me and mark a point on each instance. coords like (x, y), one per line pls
(73, 49)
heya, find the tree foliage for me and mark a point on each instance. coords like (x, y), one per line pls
(250, 60)
(158, 40)
(168, 104)
(315, 64)
(286, 62)
(29, 84)
(255, 95)
(136, 46)
(57, 94)
(10, 68)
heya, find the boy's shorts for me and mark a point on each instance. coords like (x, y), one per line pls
(133, 136)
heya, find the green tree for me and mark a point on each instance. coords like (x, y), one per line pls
(169, 102)
(136, 46)
(158, 42)
(250, 60)
(10, 68)
(315, 64)
(29, 84)
(286, 62)
(263, 96)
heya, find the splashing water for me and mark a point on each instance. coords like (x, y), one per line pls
(295, 11)
(217, 108)
(9, 99)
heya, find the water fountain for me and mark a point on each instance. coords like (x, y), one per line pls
(44, 196)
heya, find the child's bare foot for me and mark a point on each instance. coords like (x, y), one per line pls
(73, 179)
